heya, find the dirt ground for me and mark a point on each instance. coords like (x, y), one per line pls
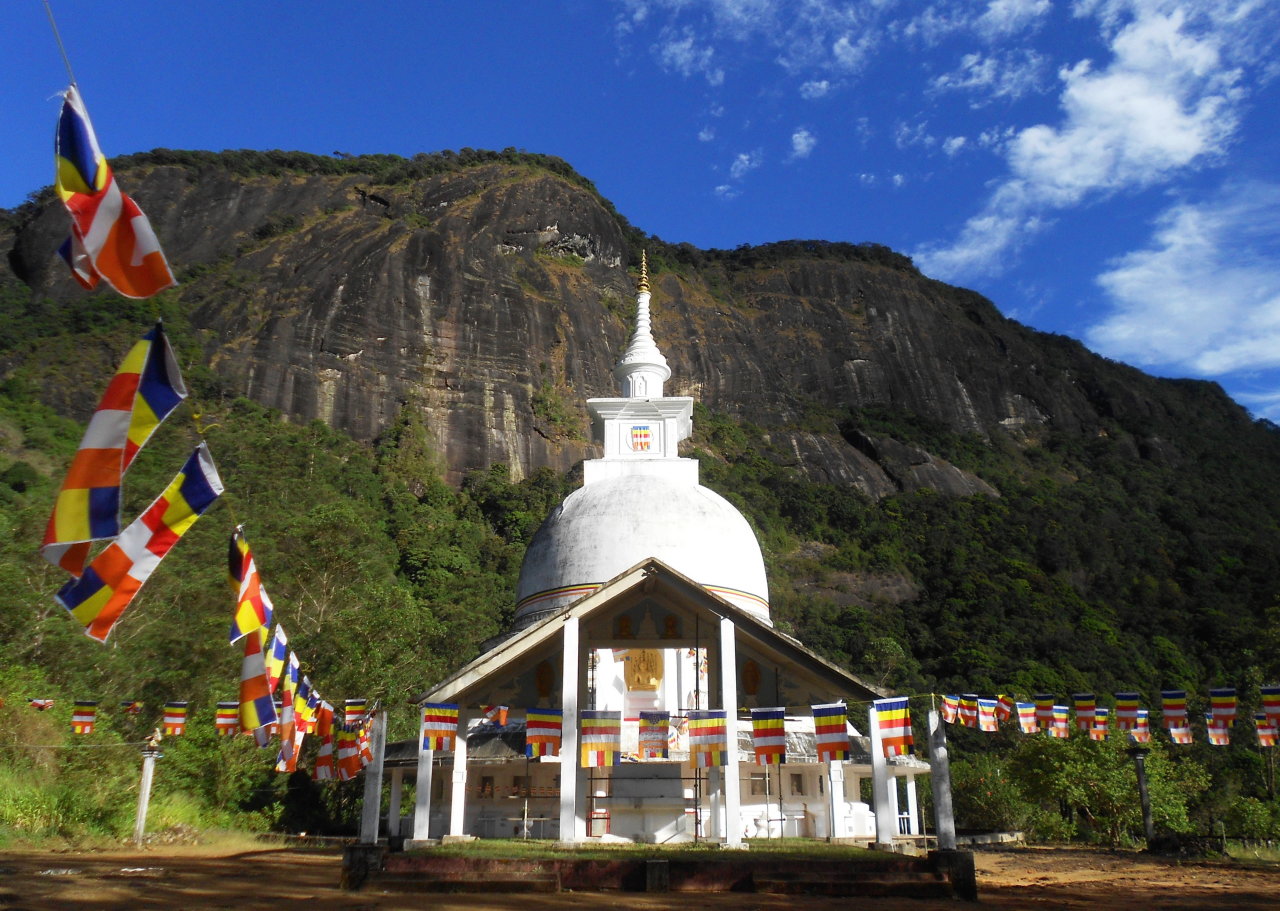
(195, 878)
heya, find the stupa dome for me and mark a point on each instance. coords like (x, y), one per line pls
(612, 524)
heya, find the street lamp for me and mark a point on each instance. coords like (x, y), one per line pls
(1139, 754)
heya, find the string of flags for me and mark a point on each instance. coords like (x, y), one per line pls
(1045, 715)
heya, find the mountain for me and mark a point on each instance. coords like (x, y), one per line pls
(1090, 515)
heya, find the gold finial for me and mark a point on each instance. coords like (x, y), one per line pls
(644, 271)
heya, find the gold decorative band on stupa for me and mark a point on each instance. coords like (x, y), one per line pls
(644, 272)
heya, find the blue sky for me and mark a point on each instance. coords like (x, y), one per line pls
(1106, 169)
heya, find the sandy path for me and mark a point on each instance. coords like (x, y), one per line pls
(204, 879)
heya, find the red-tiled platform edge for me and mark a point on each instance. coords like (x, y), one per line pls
(940, 874)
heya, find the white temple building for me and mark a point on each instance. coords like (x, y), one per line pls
(645, 592)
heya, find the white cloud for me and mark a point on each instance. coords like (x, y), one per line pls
(745, 163)
(898, 180)
(867, 180)
(1007, 17)
(1165, 102)
(814, 88)
(1006, 74)
(953, 144)
(727, 191)
(1204, 295)
(905, 136)
(852, 56)
(802, 143)
(706, 134)
(681, 52)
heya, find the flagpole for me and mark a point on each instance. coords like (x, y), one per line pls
(58, 38)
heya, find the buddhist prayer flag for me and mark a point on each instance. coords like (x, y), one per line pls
(287, 756)
(175, 719)
(830, 729)
(276, 657)
(708, 744)
(111, 240)
(439, 725)
(1127, 705)
(355, 714)
(143, 392)
(495, 715)
(227, 718)
(1004, 708)
(1266, 730)
(1173, 705)
(1141, 732)
(1085, 705)
(653, 738)
(987, 715)
(253, 608)
(348, 755)
(1180, 734)
(83, 717)
(1219, 734)
(950, 709)
(601, 738)
(769, 736)
(131, 707)
(324, 768)
(257, 708)
(1222, 706)
(1060, 726)
(894, 718)
(1027, 722)
(305, 703)
(1100, 728)
(40, 704)
(542, 732)
(99, 597)
(1271, 704)
(1044, 710)
(969, 710)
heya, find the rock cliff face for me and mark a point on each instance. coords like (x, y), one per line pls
(496, 298)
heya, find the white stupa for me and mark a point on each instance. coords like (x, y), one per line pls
(641, 500)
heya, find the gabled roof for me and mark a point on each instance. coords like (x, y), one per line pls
(650, 579)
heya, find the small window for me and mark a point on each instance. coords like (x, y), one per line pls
(797, 783)
(486, 785)
(519, 785)
(759, 786)
(822, 786)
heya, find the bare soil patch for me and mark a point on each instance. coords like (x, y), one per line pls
(196, 878)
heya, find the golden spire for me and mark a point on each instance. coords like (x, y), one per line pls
(644, 272)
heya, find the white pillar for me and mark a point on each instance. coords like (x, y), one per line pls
(458, 804)
(913, 805)
(569, 736)
(729, 697)
(149, 754)
(422, 794)
(371, 809)
(886, 816)
(714, 784)
(835, 800)
(940, 775)
(393, 803)
(894, 788)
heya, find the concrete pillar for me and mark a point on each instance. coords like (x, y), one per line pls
(569, 778)
(913, 805)
(729, 693)
(371, 808)
(940, 772)
(149, 754)
(894, 788)
(458, 802)
(393, 803)
(715, 784)
(835, 800)
(422, 794)
(886, 816)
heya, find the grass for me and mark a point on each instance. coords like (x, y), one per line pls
(798, 849)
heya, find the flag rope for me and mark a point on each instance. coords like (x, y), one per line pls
(58, 38)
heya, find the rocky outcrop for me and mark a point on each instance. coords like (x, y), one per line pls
(496, 298)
